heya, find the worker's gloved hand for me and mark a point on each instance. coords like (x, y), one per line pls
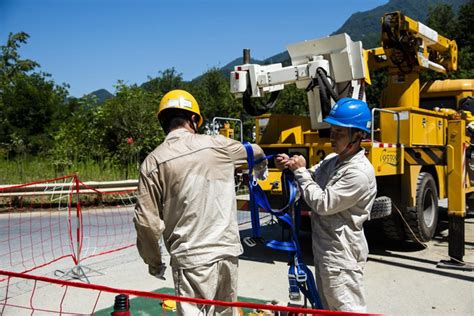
(158, 272)
(261, 174)
(261, 170)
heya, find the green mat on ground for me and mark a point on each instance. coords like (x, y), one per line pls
(140, 306)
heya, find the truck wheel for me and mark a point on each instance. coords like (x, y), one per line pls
(392, 227)
(382, 207)
(423, 218)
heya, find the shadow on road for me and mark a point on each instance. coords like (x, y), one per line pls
(434, 270)
(262, 253)
(413, 255)
(403, 254)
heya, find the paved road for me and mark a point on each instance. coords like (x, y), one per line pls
(401, 278)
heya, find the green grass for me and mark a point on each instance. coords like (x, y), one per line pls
(29, 169)
(147, 306)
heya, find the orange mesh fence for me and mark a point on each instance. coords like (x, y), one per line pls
(46, 221)
(34, 221)
(106, 221)
(40, 295)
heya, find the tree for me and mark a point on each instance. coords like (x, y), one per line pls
(31, 104)
(465, 40)
(292, 100)
(130, 124)
(169, 79)
(465, 36)
(441, 18)
(458, 27)
(121, 131)
(10, 62)
(212, 91)
(80, 137)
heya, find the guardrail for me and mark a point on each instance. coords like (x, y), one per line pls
(64, 188)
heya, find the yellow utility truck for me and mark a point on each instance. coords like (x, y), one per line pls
(420, 142)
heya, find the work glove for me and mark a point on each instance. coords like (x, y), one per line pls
(158, 272)
(261, 174)
(260, 171)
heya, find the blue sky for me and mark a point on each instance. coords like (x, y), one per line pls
(92, 44)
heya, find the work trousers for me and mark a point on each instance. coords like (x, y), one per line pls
(341, 289)
(215, 281)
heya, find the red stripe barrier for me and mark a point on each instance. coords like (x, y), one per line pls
(34, 183)
(159, 296)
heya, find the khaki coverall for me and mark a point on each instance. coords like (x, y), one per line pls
(187, 195)
(341, 197)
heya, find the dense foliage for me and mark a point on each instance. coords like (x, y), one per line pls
(39, 119)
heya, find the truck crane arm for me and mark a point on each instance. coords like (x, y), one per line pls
(410, 46)
(327, 68)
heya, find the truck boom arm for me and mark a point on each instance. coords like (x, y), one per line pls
(328, 68)
(334, 67)
(411, 46)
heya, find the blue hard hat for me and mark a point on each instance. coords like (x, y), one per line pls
(348, 112)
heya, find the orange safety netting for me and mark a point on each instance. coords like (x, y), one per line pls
(46, 221)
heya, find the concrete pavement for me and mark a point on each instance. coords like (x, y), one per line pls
(401, 278)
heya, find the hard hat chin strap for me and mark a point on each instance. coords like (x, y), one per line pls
(350, 144)
(194, 124)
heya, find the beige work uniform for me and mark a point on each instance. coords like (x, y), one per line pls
(187, 195)
(341, 197)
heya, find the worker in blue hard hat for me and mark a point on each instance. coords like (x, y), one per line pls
(340, 190)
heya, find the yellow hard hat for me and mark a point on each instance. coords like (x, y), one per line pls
(180, 99)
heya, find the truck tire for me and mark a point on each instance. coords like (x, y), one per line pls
(382, 207)
(423, 218)
(392, 227)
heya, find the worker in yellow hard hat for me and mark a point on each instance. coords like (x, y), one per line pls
(178, 104)
(186, 195)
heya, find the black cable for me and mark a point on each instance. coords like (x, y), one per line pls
(323, 75)
(333, 82)
(361, 91)
(311, 85)
(325, 102)
(345, 88)
(261, 108)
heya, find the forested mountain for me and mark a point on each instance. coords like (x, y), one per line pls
(102, 95)
(365, 26)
